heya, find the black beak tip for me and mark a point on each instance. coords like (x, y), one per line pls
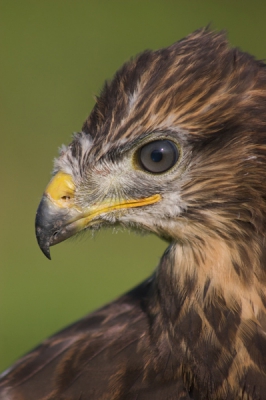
(50, 225)
(46, 251)
(43, 242)
(43, 227)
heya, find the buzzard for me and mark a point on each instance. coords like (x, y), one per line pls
(175, 145)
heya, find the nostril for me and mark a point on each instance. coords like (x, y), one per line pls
(65, 198)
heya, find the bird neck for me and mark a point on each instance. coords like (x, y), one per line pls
(213, 293)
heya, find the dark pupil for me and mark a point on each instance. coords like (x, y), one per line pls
(156, 155)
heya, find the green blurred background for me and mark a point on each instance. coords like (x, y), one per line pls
(55, 57)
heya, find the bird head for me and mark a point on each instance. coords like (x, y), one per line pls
(175, 145)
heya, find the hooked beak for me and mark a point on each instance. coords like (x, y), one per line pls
(58, 217)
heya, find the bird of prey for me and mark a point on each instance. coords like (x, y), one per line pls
(175, 145)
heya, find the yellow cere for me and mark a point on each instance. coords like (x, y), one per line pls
(61, 189)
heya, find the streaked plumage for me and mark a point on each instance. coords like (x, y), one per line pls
(197, 328)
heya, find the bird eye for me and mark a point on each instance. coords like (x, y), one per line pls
(158, 156)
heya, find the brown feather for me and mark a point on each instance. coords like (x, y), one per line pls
(197, 328)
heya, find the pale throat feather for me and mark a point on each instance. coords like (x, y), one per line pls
(211, 263)
(221, 311)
